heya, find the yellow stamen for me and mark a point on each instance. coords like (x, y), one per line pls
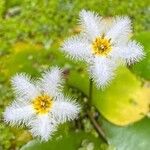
(42, 104)
(101, 46)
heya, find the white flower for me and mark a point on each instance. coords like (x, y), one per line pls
(40, 105)
(102, 45)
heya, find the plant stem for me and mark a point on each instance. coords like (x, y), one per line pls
(90, 115)
(97, 126)
(90, 91)
(93, 121)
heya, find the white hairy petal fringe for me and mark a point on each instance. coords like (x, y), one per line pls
(120, 30)
(23, 86)
(90, 23)
(51, 81)
(102, 71)
(65, 109)
(18, 113)
(43, 126)
(77, 47)
(130, 53)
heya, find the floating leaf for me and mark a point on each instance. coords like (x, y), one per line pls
(70, 141)
(123, 102)
(30, 58)
(133, 137)
(23, 58)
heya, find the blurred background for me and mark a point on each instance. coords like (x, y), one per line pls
(31, 32)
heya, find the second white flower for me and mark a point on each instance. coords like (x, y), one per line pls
(40, 105)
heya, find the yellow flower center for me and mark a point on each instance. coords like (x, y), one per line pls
(101, 46)
(42, 104)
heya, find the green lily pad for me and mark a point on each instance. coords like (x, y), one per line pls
(23, 58)
(29, 58)
(142, 68)
(123, 102)
(70, 141)
(133, 137)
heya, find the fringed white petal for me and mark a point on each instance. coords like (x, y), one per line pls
(120, 30)
(102, 71)
(23, 87)
(130, 53)
(18, 113)
(105, 25)
(51, 81)
(65, 109)
(91, 24)
(77, 47)
(43, 127)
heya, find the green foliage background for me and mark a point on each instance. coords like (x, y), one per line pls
(30, 35)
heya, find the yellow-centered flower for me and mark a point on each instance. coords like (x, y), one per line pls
(102, 44)
(40, 106)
